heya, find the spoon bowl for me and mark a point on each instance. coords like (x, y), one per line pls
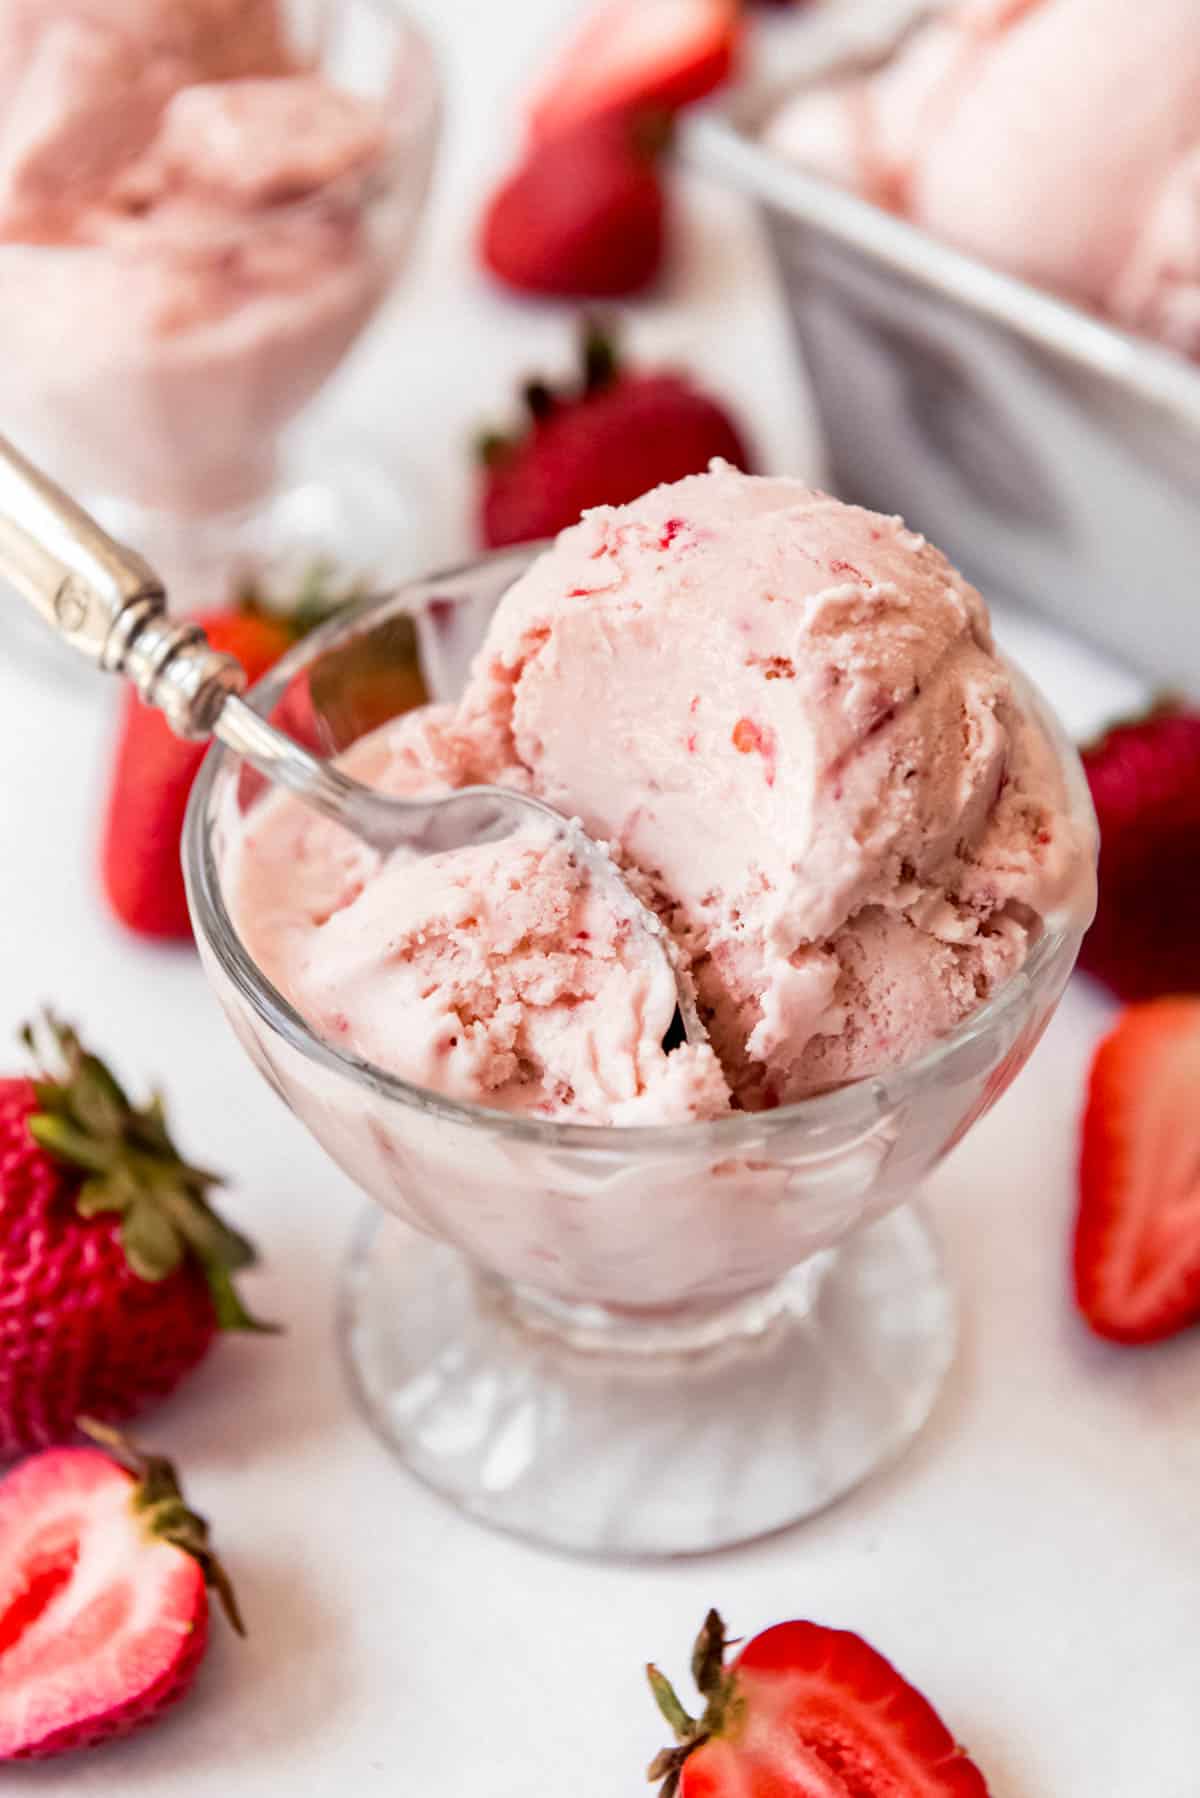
(108, 603)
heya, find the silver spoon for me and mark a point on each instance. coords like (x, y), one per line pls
(108, 603)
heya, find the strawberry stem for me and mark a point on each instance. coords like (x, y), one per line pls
(158, 1500)
(539, 398)
(492, 448)
(715, 1685)
(708, 1657)
(601, 364)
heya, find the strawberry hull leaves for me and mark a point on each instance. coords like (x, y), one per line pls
(86, 1121)
(158, 1499)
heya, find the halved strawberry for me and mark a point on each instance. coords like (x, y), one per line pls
(806, 1712)
(103, 1601)
(1137, 1234)
(635, 54)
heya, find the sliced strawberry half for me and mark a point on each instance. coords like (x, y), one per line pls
(1137, 1234)
(103, 1601)
(637, 54)
(806, 1712)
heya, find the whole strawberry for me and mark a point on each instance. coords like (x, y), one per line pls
(115, 1272)
(583, 215)
(103, 1596)
(599, 443)
(154, 770)
(805, 1712)
(1145, 781)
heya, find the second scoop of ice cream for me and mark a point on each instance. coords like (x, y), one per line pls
(496, 974)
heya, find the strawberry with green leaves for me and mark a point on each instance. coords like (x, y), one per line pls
(601, 440)
(803, 1711)
(115, 1271)
(104, 1610)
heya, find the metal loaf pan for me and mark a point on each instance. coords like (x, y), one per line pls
(1053, 457)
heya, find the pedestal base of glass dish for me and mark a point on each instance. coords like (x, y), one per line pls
(609, 1434)
(334, 507)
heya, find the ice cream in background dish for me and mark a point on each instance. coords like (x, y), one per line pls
(1056, 139)
(190, 236)
(787, 717)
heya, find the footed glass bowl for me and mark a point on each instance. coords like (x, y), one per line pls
(635, 1340)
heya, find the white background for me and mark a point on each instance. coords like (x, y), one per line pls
(1031, 1563)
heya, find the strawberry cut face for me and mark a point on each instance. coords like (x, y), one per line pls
(629, 54)
(1137, 1235)
(805, 1712)
(825, 1716)
(101, 1624)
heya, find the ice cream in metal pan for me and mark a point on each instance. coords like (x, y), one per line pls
(1053, 453)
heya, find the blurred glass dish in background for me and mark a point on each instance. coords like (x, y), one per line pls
(646, 1339)
(201, 207)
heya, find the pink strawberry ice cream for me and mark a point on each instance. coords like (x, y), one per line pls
(1056, 139)
(495, 974)
(189, 238)
(787, 717)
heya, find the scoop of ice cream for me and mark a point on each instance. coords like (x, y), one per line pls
(1036, 134)
(496, 974)
(787, 717)
(1158, 290)
(788, 714)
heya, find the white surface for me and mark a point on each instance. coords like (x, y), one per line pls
(1030, 1564)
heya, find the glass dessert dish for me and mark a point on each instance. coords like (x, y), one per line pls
(626, 1340)
(157, 349)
